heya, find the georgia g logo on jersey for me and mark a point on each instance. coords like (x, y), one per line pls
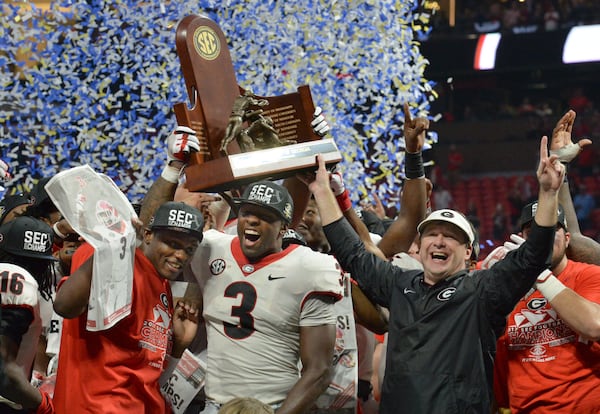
(446, 294)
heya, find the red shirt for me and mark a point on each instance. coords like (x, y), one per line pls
(542, 365)
(117, 370)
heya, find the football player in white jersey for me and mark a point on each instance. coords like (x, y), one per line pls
(266, 308)
(25, 273)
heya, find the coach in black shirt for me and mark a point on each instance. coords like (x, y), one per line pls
(444, 319)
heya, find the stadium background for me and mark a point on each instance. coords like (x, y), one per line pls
(94, 82)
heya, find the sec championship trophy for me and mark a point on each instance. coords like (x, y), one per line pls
(243, 137)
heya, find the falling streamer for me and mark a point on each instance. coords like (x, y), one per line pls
(95, 81)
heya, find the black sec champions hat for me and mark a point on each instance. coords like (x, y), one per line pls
(180, 217)
(528, 213)
(270, 195)
(27, 236)
(39, 195)
(291, 236)
(10, 202)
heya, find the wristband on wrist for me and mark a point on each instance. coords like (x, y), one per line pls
(171, 174)
(57, 231)
(344, 201)
(549, 285)
(543, 276)
(413, 165)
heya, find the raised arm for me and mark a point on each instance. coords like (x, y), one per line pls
(413, 205)
(180, 144)
(319, 186)
(342, 197)
(581, 248)
(514, 275)
(550, 174)
(373, 273)
(580, 313)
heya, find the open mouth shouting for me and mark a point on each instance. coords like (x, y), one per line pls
(251, 237)
(439, 257)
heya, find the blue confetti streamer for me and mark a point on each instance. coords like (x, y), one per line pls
(95, 81)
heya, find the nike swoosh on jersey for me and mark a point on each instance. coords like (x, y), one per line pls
(275, 278)
(407, 290)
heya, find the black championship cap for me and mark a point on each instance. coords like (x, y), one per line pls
(38, 194)
(10, 202)
(180, 217)
(27, 236)
(270, 195)
(291, 236)
(528, 213)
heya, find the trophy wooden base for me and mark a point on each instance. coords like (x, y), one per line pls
(237, 170)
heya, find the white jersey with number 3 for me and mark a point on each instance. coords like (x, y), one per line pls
(254, 312)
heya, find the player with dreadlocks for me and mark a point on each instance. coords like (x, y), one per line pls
(26, 273)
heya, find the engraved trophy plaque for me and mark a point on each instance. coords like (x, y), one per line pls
(243, 137)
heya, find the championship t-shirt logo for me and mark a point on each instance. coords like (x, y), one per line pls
(156, 332)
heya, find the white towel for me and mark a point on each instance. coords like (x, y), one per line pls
(100, 213)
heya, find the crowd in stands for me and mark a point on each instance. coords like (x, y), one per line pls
(539, 108)
(504, 192)
(515, 16)
(494, 209)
